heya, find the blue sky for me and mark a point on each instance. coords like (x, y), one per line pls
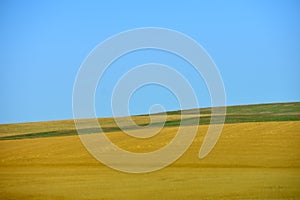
(255, 45)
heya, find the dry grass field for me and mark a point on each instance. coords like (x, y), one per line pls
(252, 160)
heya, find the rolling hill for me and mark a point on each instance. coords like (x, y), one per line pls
(256, 157)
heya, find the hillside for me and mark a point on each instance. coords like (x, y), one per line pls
(235, 114)
(256, 157)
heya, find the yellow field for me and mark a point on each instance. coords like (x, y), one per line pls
(258, 160)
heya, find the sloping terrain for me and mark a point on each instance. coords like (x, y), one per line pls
(235, 114)
(252, 160)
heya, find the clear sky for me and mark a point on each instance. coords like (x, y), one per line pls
(255, 44)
